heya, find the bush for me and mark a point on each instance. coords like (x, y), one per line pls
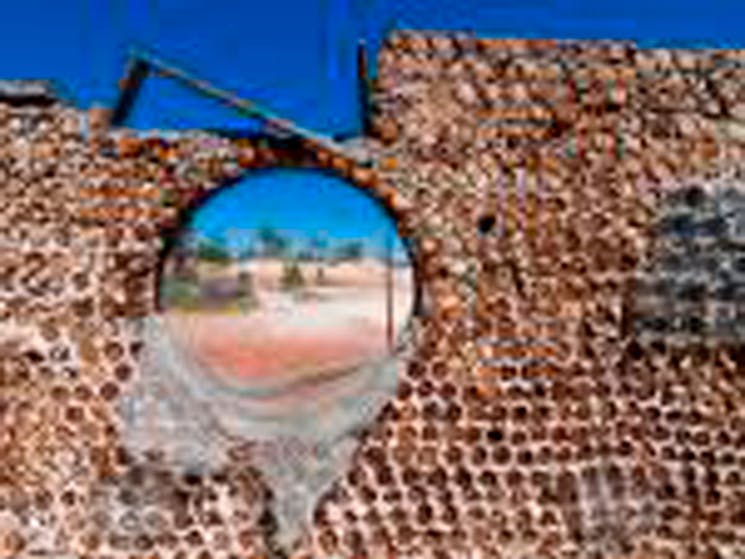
(213, 252)
(247, 300)
(292, 277)
(180, 294)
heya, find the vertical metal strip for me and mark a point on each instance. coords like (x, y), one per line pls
(389, 291)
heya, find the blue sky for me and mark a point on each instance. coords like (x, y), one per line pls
(300, 205)
(298, 57)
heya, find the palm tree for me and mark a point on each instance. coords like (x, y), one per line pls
(352, 250)
(274, 244)
(319, 247)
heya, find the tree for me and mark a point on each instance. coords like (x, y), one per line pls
(319, 246)
(292, 276)
(213, 250)
(247, 253)
(247, 299)
(353, 250)
(274, 244)
(240, 246)
(305, 255)
(184, 256)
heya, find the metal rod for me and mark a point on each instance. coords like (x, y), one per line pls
(389, 291)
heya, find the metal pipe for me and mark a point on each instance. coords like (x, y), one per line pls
(389, 291)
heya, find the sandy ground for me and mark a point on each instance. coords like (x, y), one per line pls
(267, 272)
(285, 340)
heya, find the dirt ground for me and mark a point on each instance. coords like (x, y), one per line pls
(267, 272)
(340, 325)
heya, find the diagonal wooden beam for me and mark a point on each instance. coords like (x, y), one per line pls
(142, 62)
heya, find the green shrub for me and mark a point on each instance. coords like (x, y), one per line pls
(246, 293)
(180, 294)
(292, 276)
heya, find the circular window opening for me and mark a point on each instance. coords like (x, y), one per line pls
(289, 290)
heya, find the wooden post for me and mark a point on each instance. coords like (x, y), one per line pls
(129, 88)
(363, 88)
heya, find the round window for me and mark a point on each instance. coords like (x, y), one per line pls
(287, 288)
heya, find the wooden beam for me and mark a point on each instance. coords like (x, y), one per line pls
(364, 87)
(129, 88)
(245, 107)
